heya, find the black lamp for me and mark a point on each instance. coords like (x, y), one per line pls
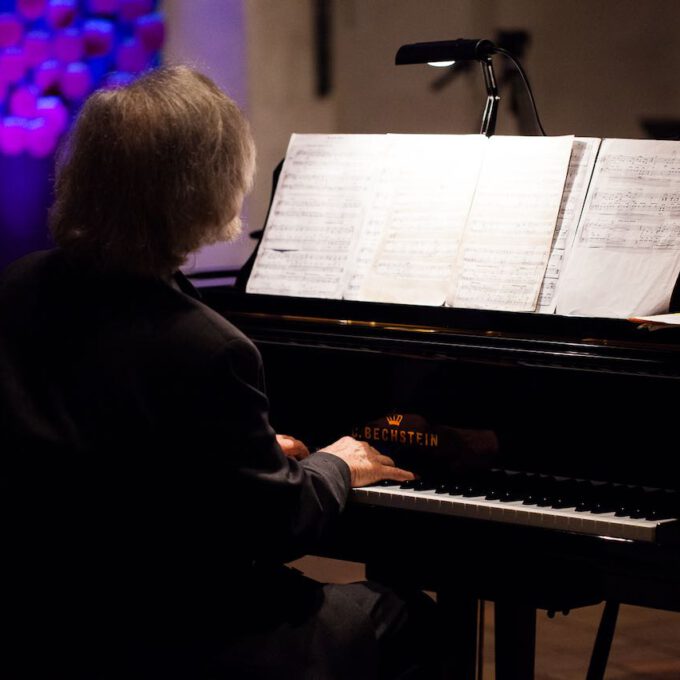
(447, 52)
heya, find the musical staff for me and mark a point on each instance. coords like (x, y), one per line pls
(626, 255)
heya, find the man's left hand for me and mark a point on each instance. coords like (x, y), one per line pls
(291, 447)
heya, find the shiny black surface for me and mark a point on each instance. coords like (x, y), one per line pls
(593, 399)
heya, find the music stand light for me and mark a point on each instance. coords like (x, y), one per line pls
(445, 53)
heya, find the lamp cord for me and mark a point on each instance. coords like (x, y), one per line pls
(519, 68)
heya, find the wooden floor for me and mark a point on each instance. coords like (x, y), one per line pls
(646, 645)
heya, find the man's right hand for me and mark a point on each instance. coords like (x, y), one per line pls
(366, 464)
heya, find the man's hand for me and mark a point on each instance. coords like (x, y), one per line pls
(366, 465)
(291, 447)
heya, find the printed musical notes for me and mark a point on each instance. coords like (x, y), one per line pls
(626, 254)
(583, 155)
(317, 215)
(510, 223)
(509, 231)
(410, 218)
(424, 194)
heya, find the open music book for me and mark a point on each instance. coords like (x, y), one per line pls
(471, 221)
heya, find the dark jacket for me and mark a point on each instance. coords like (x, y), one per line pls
(140, 473)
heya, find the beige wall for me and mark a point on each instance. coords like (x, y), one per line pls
(597, 67)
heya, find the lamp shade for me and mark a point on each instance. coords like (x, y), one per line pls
(463, 49)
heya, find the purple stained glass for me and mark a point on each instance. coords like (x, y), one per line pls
(31, 9)
(106, 7)
(55, 113)
(24, 101)
(68, 45)
(132, 9)
(53, 54)
(131, 56)
(76, 81)
(11, 30)
(38, 47)
(61, 13)
(13, 65)
(150, 31)
(98, 37)
(40, 138)
(47, 75)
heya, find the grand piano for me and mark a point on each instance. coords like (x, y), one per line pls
(544, 445)
(576, 504)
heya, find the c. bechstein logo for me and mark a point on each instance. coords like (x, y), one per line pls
(390, 431)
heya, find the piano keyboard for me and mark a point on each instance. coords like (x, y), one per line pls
(580, 506)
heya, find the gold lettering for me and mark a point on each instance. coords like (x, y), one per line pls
(367, 432)
(376, 433)
(419, 438)
(434, 440)
(410, 436)
(402, 436)
(385, 434)
(394, 435)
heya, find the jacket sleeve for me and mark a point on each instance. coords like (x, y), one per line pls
(280, 507)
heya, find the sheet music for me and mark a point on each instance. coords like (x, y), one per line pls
(316, 216)
(583, 155)
(505, 249)
(626, 255)
(415, 223)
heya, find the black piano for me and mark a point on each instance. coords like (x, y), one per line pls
(549, 471)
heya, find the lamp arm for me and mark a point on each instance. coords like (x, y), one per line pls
(492, 98)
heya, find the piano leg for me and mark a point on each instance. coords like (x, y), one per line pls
(603, 641)
(515, 644)
(459, 622)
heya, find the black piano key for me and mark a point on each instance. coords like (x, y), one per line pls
(456, 488)
(585, 496)
(627, 500)
(510, 495)
(419, 484)
(497, 485)
(424, 484)
(443, 487)
(661, 505)
(605, 499)
(473, 490)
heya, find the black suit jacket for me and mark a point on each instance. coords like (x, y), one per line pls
(140, 470)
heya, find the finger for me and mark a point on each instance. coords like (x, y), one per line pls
(384, 460)
(397, 474)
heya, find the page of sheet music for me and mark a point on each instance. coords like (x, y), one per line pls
(415, 222)
(317, 213)
(505, 249)
(626, 254)
(583, 155)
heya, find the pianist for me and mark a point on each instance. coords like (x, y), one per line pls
(149, 505)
